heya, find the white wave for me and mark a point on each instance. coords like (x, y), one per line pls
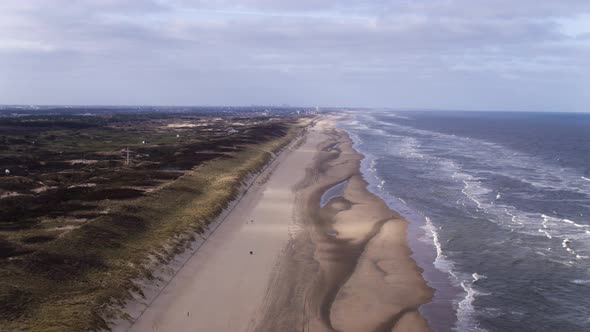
(476, 276)
(394, 115)
(575, 224)
(408, 148)
(465, 309)
(418, 145)
(521, 221)
(353, 123)
(566, 244)
(440, 261)
(546, 233)
(513, 217)
(473, 190)
(545, 220)
(370, 174)
(431, 151)
(372, 165)
(526, 168)
(581, 281)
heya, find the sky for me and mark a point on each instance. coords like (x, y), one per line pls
(436, 54)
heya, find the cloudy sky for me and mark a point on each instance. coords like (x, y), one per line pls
(444, 54)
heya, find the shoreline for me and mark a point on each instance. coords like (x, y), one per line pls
(345, 265)
(354, 248)
(422, 241)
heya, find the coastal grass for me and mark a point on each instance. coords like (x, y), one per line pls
(75, 282)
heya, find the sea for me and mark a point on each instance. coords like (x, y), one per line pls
(499, 211)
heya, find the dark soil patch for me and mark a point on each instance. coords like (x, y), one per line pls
(9, 249)
(113, 193)
(107, 231)
(38, 239)
(16, 183)
(13, 302)
(84, 215)
(57, 266)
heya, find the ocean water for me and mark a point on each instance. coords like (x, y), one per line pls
(499, 205)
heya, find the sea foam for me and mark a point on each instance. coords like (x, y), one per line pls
(465, 310)
(481, 182)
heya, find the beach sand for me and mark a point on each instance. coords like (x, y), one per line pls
(345, 266)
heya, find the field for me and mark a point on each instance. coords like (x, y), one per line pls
(86, 200)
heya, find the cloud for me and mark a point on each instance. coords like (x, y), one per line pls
(329, 52)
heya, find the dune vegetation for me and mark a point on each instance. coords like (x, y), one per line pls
(74, 235)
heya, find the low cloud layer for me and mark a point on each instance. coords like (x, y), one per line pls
(451, 54)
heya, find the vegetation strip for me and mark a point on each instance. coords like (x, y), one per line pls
(217, 224)
(65, 264)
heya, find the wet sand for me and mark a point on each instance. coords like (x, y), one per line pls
(345, 266)
(350, 268)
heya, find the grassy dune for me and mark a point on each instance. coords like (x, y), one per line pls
(71, 282)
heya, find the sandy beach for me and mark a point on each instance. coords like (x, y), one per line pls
(282, 262)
